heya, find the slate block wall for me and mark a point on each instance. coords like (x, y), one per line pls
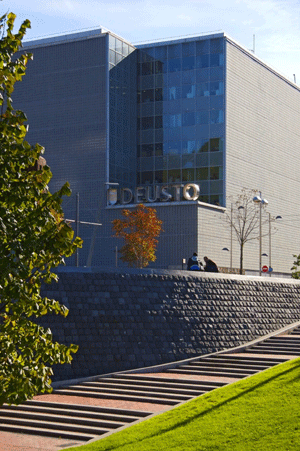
(125, 321)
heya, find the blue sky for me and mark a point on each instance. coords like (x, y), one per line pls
(275, 23)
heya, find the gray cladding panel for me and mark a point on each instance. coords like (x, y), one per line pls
(263, 149)
(64, 95)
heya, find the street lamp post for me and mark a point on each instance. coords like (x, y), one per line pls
(259, 200)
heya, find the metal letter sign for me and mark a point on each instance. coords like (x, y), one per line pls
(155, 193)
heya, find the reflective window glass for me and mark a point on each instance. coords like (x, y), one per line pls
(125, 49)
(147, 68)
(214, 173)
(216, 144)
(174, 51)
(203, 89)
(174, 120)
(174, 175)
(146, 150)
(216, 60)
(173, 148)
(188, 63)
(202, 61)
(112, 57)
(174, 78)
(151, 52)
(188, 48)
(118, 46)
(216, 45)
(158, 67)
(188, 146)
(147, 123)
(119, 57)
(161, 52)
(188, 175)
(174, 93)
(147, 95)
(146, 178)
(188, 76)
(216, 199)
(216, 186)
(202, 117)
(174, 161)
(188, 161)
(158, 122)
(216, 116)
(158, 94)
(158, 149)
(202, 75)
(158, 177)
(174, 65)
(188, 119)
(203, 198)
(203, 145)
(216, 88)
(202, 47)
(202, 174)
(188, 91)
(112, 42)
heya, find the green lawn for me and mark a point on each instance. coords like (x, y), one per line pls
(261, 412)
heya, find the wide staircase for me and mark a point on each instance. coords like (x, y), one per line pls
(161, 388)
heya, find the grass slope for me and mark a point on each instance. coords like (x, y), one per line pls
(260, 413)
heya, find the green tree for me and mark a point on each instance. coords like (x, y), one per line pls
(140, 229)
(34, 238)
(295, 267)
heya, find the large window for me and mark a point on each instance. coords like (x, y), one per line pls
(181, 113)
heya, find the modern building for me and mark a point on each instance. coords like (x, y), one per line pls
(152, 123)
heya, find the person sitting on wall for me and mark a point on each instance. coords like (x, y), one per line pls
(194, 264)
(210, 266)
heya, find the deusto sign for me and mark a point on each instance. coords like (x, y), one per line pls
(153, 193)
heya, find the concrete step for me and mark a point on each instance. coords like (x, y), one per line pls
(166, 386)
(278, 347)
(225, 366)
(87, 409)
(274, 351)
(58, 418)
(155, 398)
(132, 385)
(53, 426)
(23, 429)
(213, 369)
(189, 370)
(165, 380)
(247, 359)
(128, 391)
(71, 413)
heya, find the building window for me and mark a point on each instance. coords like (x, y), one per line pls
(216, 173)
(188, 91)
(216, 88)
(147, 123)
(202, 174)
(174, 65)
(216, 116)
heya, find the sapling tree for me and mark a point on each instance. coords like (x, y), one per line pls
(140, 229)
(243, 219)
(34, 238)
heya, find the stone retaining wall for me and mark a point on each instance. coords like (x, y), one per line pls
(124, 321)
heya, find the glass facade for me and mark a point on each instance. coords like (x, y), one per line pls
(181, 115)
(122, 112)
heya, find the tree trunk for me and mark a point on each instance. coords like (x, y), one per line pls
(241, 257)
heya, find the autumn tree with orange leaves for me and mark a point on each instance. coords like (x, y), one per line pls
(140, 229)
